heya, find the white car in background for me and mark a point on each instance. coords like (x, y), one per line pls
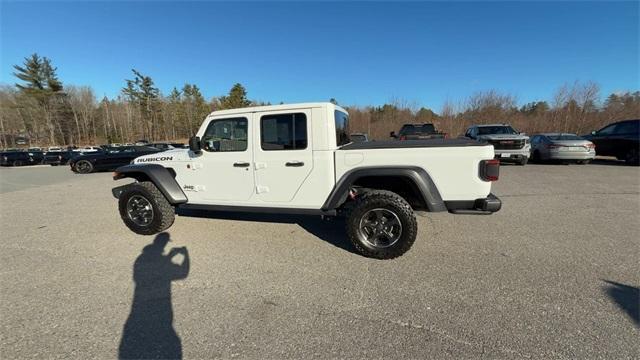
(563, 147)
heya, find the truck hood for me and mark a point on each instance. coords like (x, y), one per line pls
(172, 155)
(503, 137)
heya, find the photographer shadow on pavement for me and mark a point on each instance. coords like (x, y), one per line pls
(148, 332)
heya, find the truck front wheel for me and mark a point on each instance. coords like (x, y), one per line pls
(381, 225)
(144, 209)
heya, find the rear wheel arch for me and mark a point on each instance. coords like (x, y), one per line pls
(412, 183)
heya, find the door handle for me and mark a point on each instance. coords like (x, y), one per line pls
(294, 163)
(241, 164)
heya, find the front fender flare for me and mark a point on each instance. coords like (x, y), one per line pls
(158, 175)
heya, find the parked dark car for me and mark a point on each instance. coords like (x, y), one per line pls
(36, 154)
(20, 158)
(620, 139)
(168, 146)
(55, 158)
(109, 159)
(418, 132)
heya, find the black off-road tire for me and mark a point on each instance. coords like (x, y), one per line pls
(523, 161)
(83, 169)
(163, 212)
(383, 199)
(18, 163)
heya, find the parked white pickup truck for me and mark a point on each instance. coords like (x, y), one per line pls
(299, 159)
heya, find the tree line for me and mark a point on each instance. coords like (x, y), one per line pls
(40, 108)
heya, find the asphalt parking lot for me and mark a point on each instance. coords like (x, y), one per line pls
(554, 274)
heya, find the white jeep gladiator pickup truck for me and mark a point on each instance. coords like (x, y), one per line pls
(299, 159)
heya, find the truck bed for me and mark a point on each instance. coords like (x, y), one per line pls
(453, 165)
(395, 144)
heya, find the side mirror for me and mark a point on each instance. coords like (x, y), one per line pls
(393, 134)
(194, 144)
(593, 132)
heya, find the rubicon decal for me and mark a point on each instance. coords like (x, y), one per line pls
(164, 158)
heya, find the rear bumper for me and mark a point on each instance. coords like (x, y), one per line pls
(572, 155)
(487, 205)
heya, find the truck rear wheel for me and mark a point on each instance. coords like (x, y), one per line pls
(382, 225)
(144, 209)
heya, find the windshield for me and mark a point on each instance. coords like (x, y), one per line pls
(492, 130)
(564, 137)
(419, 129)
(342, 128)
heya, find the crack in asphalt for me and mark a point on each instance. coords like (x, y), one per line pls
(440, 333)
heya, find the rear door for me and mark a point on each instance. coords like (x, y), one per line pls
(283, 154)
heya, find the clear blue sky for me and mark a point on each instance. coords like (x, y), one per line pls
(359, 53)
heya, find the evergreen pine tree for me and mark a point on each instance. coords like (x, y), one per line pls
(237, 98)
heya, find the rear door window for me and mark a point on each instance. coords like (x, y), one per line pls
(283, 132)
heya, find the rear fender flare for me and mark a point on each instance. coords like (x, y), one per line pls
(419, 177)
(160, 176)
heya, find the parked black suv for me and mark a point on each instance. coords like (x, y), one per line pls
(20, 158)
(418, 132)
(620, 139)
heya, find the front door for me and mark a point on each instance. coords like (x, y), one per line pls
(223, 173)
(602, 140)
(283, 155)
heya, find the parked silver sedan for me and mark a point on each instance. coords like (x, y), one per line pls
(562, 146)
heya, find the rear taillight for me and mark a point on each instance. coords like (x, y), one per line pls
(446, 136)
(590, 146)
(403, 137)
(490, 170)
